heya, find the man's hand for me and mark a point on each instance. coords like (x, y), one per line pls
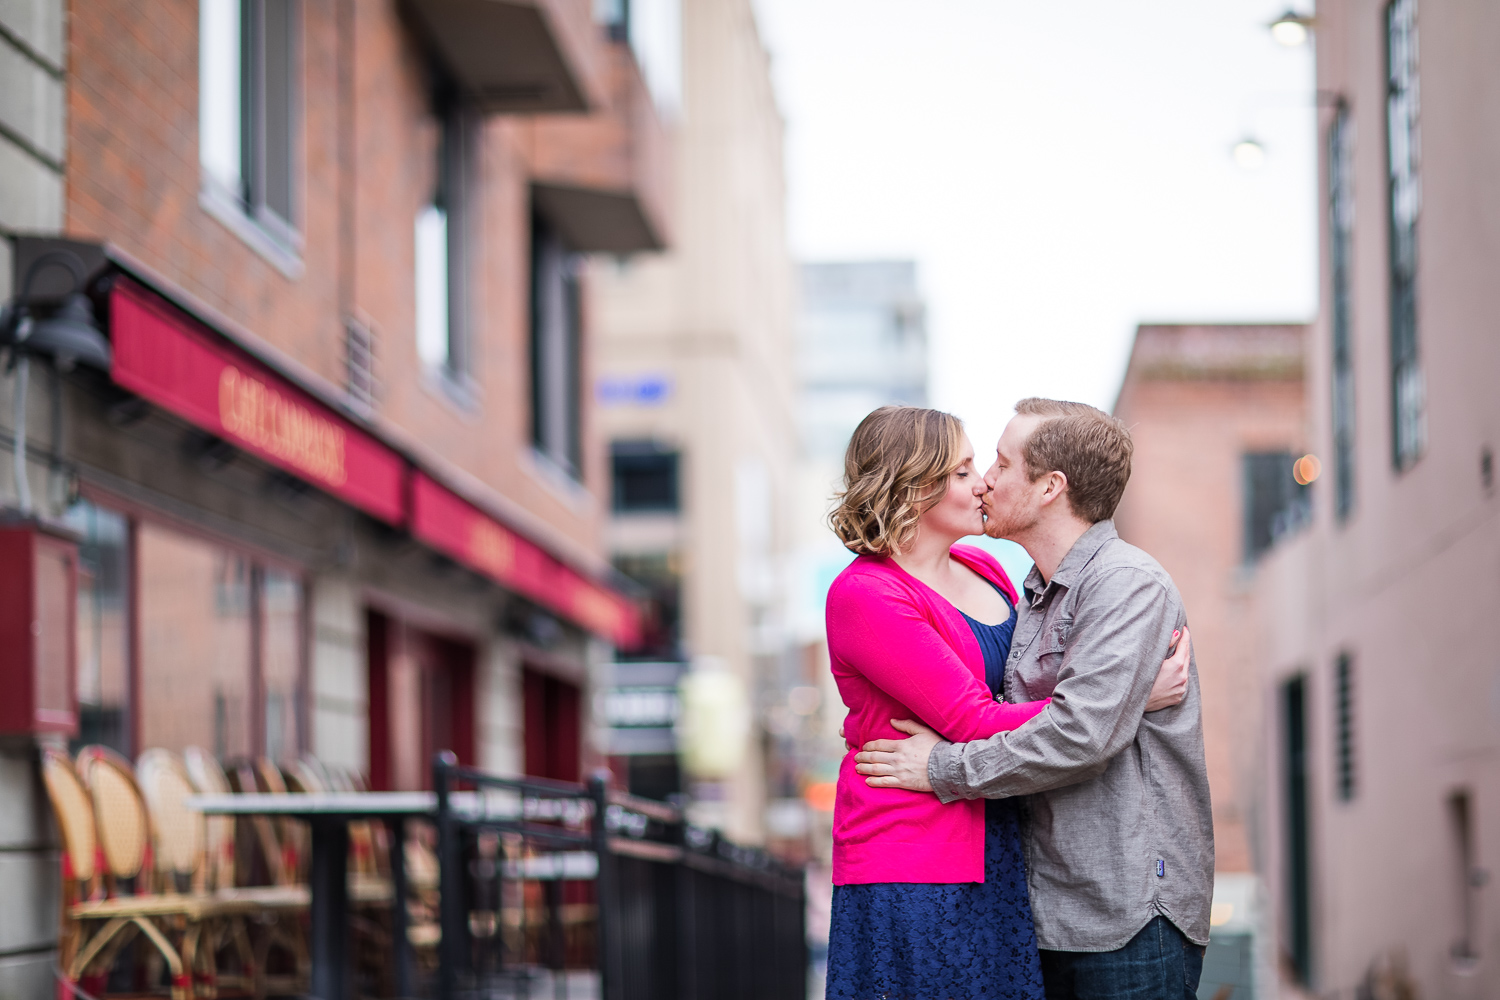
(898, 763)
(1172, 679)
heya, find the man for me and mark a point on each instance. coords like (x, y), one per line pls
(1120, 851)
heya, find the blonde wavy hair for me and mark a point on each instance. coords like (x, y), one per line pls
(895, 470)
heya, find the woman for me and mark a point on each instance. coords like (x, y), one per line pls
(930, 900)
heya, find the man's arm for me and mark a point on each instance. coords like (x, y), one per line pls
(1119, 637)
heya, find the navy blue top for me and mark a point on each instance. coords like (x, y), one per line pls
(994, 643)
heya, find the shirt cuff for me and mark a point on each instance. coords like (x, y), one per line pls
(945, 771)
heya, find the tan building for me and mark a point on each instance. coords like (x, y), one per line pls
(1381, 771)
(1217, 416)
(695, 389)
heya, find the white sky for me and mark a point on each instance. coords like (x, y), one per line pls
(1060, 169)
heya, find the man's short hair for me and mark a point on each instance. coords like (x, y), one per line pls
(1085, 444)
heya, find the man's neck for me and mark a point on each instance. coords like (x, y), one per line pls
(1049, 543)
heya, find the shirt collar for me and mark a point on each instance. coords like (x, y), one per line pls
(1090, 542)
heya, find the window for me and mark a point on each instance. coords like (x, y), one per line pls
(441, 251)
(1408, 403)
(556, 375)
(247, 103)
(103, 663)
(1468, 877)
(218, 637)
(1343, 680)
(644, 476)
(1275, 504)
(1341, 241)
(1297, 917)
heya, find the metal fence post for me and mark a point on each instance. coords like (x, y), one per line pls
(611, 982)
(450, 880)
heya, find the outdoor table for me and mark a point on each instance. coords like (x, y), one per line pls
(329, 813)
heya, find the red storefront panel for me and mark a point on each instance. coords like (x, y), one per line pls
(456, 527)
(162, 354)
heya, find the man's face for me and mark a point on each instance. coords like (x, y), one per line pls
(1013, 501)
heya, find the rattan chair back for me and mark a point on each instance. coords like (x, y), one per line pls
(208, 779)
(179, 830)
(75, 815)
(119, 811)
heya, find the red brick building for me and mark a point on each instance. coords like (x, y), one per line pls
(337, 490)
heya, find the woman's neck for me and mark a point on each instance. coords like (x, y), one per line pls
(926, 556)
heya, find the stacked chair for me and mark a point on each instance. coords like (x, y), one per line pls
(140, 868)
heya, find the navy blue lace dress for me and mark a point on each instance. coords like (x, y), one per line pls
(964, 941)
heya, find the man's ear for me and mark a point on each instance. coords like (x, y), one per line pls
(1057, 486)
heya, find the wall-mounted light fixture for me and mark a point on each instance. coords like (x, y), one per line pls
(1292, 29)
(68, 337)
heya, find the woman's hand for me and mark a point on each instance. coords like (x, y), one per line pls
(1172, 680)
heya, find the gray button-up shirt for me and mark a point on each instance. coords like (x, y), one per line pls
(1119, 828)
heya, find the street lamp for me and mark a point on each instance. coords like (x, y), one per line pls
(69, 337)
(1291, 29)
(1249, 154)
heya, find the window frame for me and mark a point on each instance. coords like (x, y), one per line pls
(556, 350)
(1341, 208)
(248, 212)
(1403, 213)
(137, 514)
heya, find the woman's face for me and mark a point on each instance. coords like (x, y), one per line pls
(958, 513)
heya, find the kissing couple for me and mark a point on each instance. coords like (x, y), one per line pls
(1043, 828)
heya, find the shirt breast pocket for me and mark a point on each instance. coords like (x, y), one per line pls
(1052, 644)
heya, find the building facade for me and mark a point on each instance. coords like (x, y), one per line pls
(33, 143)
(1218, 420)
(316, 473)
(1381, 771)
(695, 388)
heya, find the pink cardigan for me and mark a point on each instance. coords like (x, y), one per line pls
(900, 651)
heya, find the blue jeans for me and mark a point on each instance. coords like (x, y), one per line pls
(1157, 964)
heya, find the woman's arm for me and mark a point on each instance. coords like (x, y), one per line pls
(882, 634)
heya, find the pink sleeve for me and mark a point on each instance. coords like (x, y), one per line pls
(881, 633)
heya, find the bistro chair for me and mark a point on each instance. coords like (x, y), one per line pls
(102, 855)
(207, 778)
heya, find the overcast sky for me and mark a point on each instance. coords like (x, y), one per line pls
(1061, 170)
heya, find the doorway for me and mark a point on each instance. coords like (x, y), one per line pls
(421, 702)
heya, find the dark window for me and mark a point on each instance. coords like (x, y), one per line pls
(1341, 241)
(441, 254)
(660, 575)
(614, 15)
(248, 106)
(1403, 150)
(1344, 694)
(1275, 504)
(644, 476)
(556, 348)
(1469, 877)
(1297, 859)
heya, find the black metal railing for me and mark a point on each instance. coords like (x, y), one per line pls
(575, 892)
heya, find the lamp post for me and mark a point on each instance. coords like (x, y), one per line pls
(69, 337)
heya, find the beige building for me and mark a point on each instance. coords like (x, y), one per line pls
(1381, 687)
(695, 392)
(1217, 415)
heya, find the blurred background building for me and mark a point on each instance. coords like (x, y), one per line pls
(1379, 798)
(1218, 419)
(694, 387)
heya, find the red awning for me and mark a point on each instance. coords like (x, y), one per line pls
(456, 527)
(168, 357)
